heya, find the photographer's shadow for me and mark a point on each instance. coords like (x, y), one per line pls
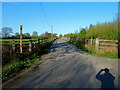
(107, 79)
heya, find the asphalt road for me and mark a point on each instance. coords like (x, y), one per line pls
(64, 67)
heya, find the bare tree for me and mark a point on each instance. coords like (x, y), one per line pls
(34, 33)
(6, 31)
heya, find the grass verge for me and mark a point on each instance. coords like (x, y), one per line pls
(14, 39)
(13, 68)
(108, 55)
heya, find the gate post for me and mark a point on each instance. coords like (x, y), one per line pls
(30, 45)
(118, 49)
(97, 43)
(91, 40)
(13, 45)
(38, 41)
(20, 38)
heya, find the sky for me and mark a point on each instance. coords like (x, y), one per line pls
(60, 0)
(65, 17)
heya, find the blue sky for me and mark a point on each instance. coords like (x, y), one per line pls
(66, 17)
(60, 0)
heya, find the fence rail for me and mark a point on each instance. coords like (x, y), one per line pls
(97, 42)
(27, 46)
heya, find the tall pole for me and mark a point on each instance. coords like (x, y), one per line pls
(20, 38)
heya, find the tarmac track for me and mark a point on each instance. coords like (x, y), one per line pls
(65, 66)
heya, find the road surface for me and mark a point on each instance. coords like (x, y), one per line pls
(64, 67)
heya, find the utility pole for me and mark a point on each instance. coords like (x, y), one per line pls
(20, 38)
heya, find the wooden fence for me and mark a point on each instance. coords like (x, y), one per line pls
(96, 42)
(27, 46)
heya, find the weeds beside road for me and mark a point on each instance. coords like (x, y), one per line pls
(19, 64)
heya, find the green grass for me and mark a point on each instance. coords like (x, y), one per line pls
(14, 68)
(109, 55)
(17, 65)
(14, 39)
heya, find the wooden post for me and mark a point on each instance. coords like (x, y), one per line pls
(43, 41)
(16, 46)
(34, 43)
(49, 39)
(38, 41)
(13, 45)
(20, 38)
(30, 45)
(97, 43)
(70, 39)
(91, 40)
(46, 40)
(118, 49)
(83, 40)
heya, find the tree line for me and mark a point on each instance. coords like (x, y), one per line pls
(106, 30)
(7, 33)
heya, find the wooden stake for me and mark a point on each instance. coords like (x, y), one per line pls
(30, 46)
(97, 43)
(20, 38)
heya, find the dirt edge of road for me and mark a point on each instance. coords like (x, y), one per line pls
(21, 73)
